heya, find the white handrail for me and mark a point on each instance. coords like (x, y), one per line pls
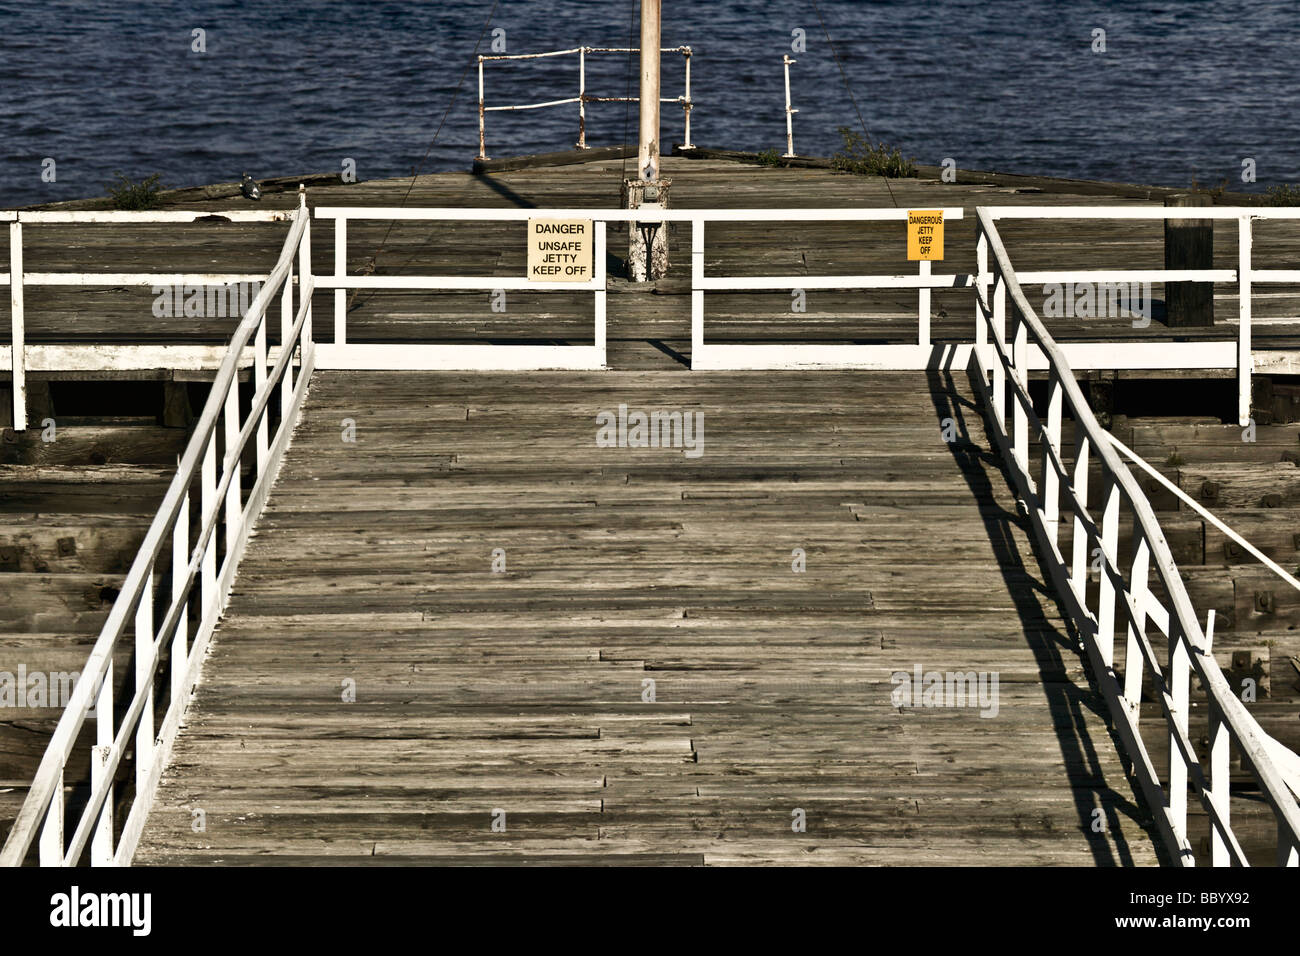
(1001, 356)
(1245, 275)
(18, 277)
(1205, 513)
(582, 99)
(343, 354)
(221, 503)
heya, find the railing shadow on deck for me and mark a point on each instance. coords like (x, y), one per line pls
(1045, 640)
(1165, 645)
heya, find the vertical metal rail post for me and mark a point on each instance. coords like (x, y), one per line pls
(923, 305)
(697, 291)
(582, 98)
(686, 101)
(600, 302)
(17, 350)
(1244, 361)
(789, 112)
(481, 112)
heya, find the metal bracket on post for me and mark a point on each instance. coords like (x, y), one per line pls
(649, 234)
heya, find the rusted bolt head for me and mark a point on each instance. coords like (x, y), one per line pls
(67, 547)
(1264, 602)
(1210, 490)
(1273, 500)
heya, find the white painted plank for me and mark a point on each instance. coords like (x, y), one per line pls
(459, 357)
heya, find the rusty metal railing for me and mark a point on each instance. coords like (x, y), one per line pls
(583, 97)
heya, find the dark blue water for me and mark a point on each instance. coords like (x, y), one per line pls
(1185, 90)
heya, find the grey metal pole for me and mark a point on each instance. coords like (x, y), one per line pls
(789, 113)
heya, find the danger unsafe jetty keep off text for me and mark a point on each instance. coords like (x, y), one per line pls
(924, 234)
(559, 250)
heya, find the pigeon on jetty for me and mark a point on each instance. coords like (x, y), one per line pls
(249, 188)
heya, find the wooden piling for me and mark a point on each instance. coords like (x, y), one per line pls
(1189, 244)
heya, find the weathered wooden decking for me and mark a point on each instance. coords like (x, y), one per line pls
(478, 691)
(523, 691)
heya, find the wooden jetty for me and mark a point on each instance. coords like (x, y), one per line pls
(501, 716)
(523, 691)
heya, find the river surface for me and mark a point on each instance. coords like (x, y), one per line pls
(1183, 91)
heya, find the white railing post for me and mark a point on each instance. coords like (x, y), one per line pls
(1180, 678)
(482, 113)
(259, 383)
(1133, 659)
(981, 300)
(1220, 741)
(1245, 360)
(207, 506)
(1109, 545)
(1079, 567)
(340, 275)
(306, 284)
(234, 490)
(582, 98)
(598, 273)
(697, 292)
(1051, 438)
(101, 842)
(1020, 373)
(923, 305)
(1000, 336)
(180, 570)
(286, 329)
(17, 351)
(51, 850)
(789, 111)
(686, 101)
(144, 651)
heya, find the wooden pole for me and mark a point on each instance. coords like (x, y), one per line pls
(648, 147)
(647, 253)
(1189, 244)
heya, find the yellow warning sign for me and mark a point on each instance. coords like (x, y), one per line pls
(924, 234)
(559, 250)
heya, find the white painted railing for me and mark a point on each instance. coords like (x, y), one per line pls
(583, 98)
(345, 354)
(21, 357)
(1161, 355)
(705, 355)
(1000, 367)
(714, 356)
(197, 578)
